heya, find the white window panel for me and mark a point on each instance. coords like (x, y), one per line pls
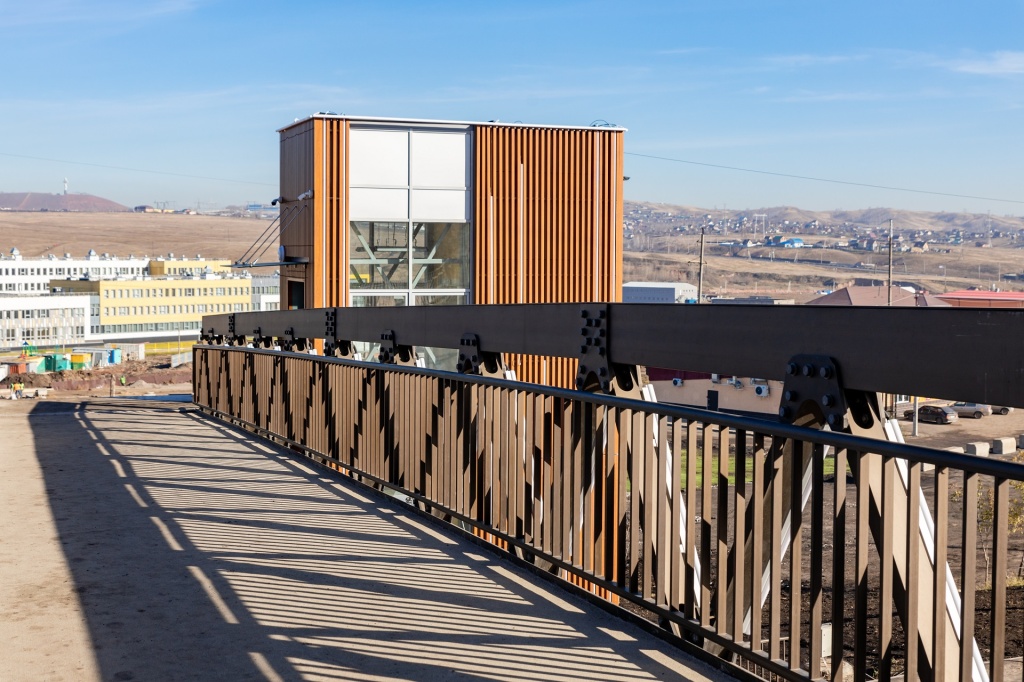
(379, 158)
(378, 204)
(439, 205)
(439, 159)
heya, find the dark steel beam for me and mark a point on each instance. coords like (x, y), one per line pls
(963, 353)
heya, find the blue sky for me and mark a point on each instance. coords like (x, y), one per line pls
(179, 100)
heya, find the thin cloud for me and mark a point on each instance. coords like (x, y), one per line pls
(799, 61)
(995, 64)
(681, 51)
(106, 12)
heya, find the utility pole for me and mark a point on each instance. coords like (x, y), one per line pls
(890, 263)
(700, 269)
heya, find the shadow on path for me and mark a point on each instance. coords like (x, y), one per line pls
(198, 552)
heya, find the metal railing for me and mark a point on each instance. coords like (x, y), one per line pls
(748, 537)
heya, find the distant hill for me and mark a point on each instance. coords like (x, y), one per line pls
(790, 216)
(79, 203)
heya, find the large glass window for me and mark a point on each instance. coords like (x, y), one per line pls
(379, 255)
(440, 255)
(407, 256)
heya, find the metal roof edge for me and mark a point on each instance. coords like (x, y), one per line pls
(442, 122)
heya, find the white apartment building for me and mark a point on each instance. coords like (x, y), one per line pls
(19, 275)
(44, 320)
(266, 292)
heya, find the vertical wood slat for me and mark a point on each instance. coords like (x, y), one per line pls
(816, 567)
(838, 564)
(757, 502)
(968, 573)
(997, 622)
(775, 544)
(739, 535)
(796, 518)
(707, 472)
(650, 505)
(678, 569)
(636, 477)
(885, 570)
(722, 526)
(913, 542)
(860, 643)
(939, 613)
(664, 500)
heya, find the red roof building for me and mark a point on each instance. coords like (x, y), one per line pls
(984, 299)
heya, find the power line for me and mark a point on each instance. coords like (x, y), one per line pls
(830, 180)
(137, 170)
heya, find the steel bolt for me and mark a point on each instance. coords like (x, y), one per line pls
(808, 370)
(791, 369)
(784, 412)
(790, 395)
(827, 400)
(825, 372)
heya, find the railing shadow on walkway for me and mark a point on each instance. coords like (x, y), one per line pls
(198, 552)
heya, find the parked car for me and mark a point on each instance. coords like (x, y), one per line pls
(974, 410)
(933, 413)
(1001, 409)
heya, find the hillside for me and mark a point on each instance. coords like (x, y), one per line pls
(35, 201)
(41, 233)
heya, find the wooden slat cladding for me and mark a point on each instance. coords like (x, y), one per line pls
(314, 156)
(547, 224)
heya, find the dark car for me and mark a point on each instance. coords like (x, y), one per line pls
(934, 414)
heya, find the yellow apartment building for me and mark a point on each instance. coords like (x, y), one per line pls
(185, 267)
(158, 307)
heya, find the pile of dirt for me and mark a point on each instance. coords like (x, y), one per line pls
(151, 371)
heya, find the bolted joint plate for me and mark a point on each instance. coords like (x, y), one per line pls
(813, 384)
(393, 353)
(595, 369)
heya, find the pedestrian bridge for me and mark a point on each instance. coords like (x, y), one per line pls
(305, 511)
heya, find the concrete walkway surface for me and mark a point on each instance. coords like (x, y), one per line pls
(144, 541)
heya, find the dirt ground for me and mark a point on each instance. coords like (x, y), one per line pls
(151, 376)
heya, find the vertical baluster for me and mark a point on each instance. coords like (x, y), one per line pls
(860, 620)
(678, 568)
(636, 477)
(817, 548)
(838, 564)
(739, 535)
(968, 575)
(939, 614)
(722, 526)
(664, 497)
(913, 568)
(707, 480)
(1001, 502)
(885, 570)
(650, 488)
(798, 463)
(775, 585)
(758, 487)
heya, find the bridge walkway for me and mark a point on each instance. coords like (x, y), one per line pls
(144, 541)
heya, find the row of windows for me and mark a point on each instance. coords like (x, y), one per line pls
(71, 272)
(43, 334)
(146, 327)
(40, 314)
(27, 286)
(266, 290)
(198, 308)
(175, 291)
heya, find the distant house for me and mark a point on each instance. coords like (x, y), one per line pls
(984, 299)
(879, 296)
